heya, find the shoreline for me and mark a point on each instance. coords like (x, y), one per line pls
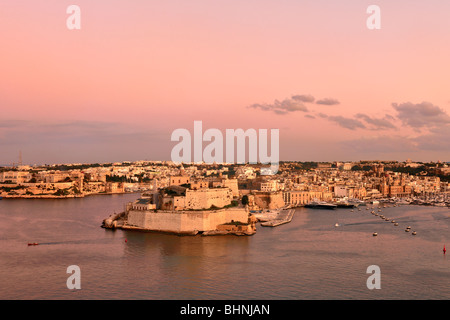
(49, 196)
(208, 233)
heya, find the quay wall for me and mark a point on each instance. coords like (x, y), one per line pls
(184, 221)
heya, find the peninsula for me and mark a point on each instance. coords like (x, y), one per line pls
(188, 209)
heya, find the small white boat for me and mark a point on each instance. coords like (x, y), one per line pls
(375, 234)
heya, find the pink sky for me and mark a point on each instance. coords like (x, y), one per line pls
(117, 88)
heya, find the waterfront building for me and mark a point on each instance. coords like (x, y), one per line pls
(300, 198)
(199, 184)
(15, 177)
(270, 185)
(114, 187)
(179, 180)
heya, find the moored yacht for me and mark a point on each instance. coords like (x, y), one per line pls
(320, 205)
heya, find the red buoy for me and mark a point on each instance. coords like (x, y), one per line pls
(125, 240)
(444, 250)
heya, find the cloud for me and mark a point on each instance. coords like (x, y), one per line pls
(80, 141)
(377, 123)
(421, 115)
(328, 101)
(13, 123)
(303, 98)
(295, 103)
(309, 116)
(347, 123)
(436, 140)
(384, 144)
(281, 107)
(78, 132)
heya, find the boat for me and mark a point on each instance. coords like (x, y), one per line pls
(33, 243)
(375, 234)
(396, 224)
(342, 205)
(440, 204)
(414, 233)
(321, 205)
(357, 202)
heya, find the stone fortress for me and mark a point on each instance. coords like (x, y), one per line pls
(188, 208)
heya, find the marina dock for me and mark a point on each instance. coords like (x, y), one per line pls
(284, 216)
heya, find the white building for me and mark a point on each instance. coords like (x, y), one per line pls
(16, 177)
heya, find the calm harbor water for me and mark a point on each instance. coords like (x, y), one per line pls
(308, 258)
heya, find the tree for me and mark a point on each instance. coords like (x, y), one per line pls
(244, 200)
